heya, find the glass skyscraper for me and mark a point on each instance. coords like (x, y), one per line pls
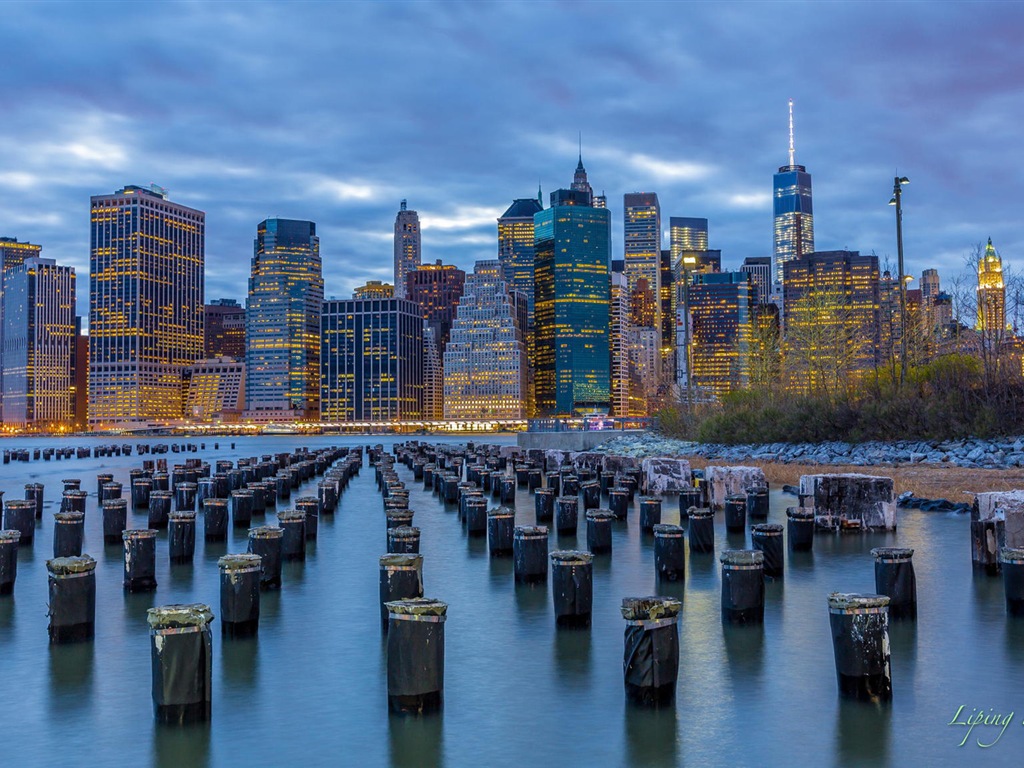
(642, 247)
(145, 305)
(572, 296)
(794, 213)
(12, 255)
(282, 332)
(721, 314)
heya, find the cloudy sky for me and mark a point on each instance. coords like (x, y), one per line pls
(336, 111)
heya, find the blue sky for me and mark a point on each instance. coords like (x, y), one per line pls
(336, 111)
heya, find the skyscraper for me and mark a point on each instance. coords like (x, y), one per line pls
(145, 305)
(687, 235)
(572, 294)
(929, 285)
(433, 377)
(39, 341)
(722, 314)
(760, 270)
(581, 185)
(215, 389)
(485, 361)
(374, 289)
(991, 295)
(12, 255)
(794, 213)
(407, 247)
(437, 289)
(642, 247)
(224, 329)
(282, 333)
(372, 360)
(619, 335)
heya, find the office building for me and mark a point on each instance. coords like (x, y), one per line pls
(668, 301)
(619, 327)
(407, 247)
(991, 295)
(437, 289)
(80, 378)
(581, 185)
(485, 361)
(374, 289)
(516, 246)
(794, 212)
(371, 360)
(687, 235)
(145, 305)
(642, 246)
(722, 319)
(12, 255)
(224, 329)
(572, 294)
(282, 334)
(929, 285)
(39, 345)
(214, 390)
(433, 377)
(760, 270)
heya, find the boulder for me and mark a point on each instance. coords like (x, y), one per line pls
(555, 459)
(1005, 506)
(617, 464)
(724, 481)
(588, 459)
(851, 500)
(664, 475)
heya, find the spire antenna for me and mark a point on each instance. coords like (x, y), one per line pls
(581, 146)
(792, 151)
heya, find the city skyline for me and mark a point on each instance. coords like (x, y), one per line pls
(185, 118)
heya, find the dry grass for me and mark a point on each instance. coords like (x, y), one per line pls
(927, 481)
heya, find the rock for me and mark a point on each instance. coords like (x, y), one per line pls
(854, 500)
(724, 481)
(664, 475)
(1007, 506)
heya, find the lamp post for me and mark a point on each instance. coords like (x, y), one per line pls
(897, 200)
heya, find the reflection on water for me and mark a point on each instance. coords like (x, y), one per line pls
(572, 655)
(415, 742)
(532, 600)
(176, 746)
(744, 654)
(652, 736)
(240, 660)
(862, 733)
(70, 676)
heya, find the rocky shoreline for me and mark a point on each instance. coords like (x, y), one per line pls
(1003, 453)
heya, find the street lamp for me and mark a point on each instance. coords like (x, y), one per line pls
(897, 200)
(689, 261)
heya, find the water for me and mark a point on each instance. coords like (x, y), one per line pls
(311, 689)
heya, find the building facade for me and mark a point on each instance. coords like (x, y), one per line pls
(12, 255)
(224, 329)
(794, 211)
(485, 361)
(214, 390)
(371, 360)
(433, 377)
(437, 289)
(39, 345)
(760, 270)
(991, 295)
(722, 317)
(146, 273)
(282, 333)
(374, 289)
(572, 294)
(408, 247)
(642, 245)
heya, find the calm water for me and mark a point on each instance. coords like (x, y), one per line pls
(312, 688)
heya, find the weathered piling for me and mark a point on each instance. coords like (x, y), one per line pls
(767, 539)
(72, 607)
(68, 534)
(702, 530)
(293, 543)
(508, 490)
(742, 586)
(310, 505)
(757, 502)
(669, 552)
(241, 508)
(185, 496)
(895, 578)
(159, 508)
(988, 536)
(572, 587)
(689, 497)
(239, 594)
(591, 492)
(403, 540)
(501, 523)
(544, 504)
(530, 553)
(215, 519)
(618, 502)
(860, 642)
(141, 489)
(101, 480)
(34, 493)
(139, 560)
(476, 516)
(416, 655)
(736, 513)
(650, 513)
(566, 514)
(800, 529)
(401, 578)
(181, 537)
(20, 515)
(650, 659)
(181, 648)
(8, 560)
(266, 541)
(599, 531)
(73, 500)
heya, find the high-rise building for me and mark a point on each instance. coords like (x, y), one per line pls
(437, 289)
(371, 360)
(572, 294)
(80, 378)
(12, 255)
(929, 285)
(644, 360)
(794, 212)
(145, 305)
(374, 289)
(642, 303)
(722, 315)
(831, 320)
(39, 341)
(668, 301)
(642, 248)
(485, 361)
(433, 377)
(687, 235)
(991, 295)
(224, 329)
(214, 389)
(282, 333)
(407, 247)
(581, 185)
(760, 270)
(619, 328)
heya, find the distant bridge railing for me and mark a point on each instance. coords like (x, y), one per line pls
(587, 424)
